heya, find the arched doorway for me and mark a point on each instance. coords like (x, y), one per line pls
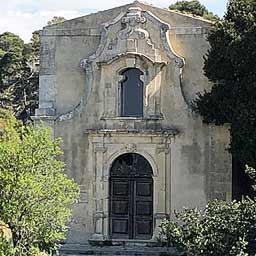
(131, 198)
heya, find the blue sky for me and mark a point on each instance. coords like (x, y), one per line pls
(22, 17)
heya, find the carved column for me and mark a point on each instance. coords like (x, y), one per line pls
(162, 186)
(99, 215)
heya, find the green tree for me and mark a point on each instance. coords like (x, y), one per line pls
(19, 72)
(56, 20)
(230, 66)
(18, 75)
(35, 194)
(194, 7)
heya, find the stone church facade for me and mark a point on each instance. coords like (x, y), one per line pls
(117, 87)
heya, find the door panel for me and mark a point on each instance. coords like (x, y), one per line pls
(143, 229)
(119, 208)
(143, 212)
(144, 188)
(143, 208)
(120, 226)
(120, 188)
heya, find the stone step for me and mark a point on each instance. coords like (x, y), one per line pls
(115, 250)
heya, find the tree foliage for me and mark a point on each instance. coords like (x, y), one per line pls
(230, 65)
(18, 75)
(35, 194)
(56, 20)
(19, 72)
(221, 229)
(194, 7)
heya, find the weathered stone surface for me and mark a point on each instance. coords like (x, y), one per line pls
(80, 98)
(129, 248)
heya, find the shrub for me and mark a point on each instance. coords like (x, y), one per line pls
(221, 229)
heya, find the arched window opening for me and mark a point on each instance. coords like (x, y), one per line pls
(132, 93)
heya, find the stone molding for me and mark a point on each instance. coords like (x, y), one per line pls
(166, 133)
(161, 216)
(71, 32)
(96, 32)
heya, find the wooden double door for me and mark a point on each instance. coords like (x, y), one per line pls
(131, 198)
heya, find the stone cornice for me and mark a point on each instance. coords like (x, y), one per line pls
(71, 32)
(97, 31)
(133, 132)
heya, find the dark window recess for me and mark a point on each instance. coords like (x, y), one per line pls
(132, 93)
(131, 198)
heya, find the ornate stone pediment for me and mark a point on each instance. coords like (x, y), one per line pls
(134, 39)
(131, 33)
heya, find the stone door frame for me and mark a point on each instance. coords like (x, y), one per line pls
(104, 147)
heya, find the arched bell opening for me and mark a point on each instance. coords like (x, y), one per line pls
(131, 198)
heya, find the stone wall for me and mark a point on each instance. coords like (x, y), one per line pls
(190, 159)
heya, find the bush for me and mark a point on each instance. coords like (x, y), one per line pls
(221, 229)
(6, 247)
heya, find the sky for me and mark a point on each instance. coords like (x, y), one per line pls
(22, 17)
